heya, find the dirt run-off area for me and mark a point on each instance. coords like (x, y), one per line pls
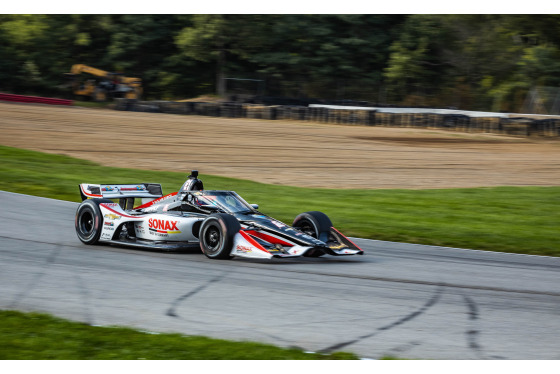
(283, 152)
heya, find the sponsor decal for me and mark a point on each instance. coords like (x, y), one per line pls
(277, 223)
(243, 249)
(112, 216)
(110, 205)
(137, 188)
(252, 241)
(109, 224)
(163, 226)
(107, 188)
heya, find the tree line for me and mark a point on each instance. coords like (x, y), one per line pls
(476, 62)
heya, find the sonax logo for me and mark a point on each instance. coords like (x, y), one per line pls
(243, 249)
(163, 226)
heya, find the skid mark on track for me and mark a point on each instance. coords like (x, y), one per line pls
(23, 294)
(473, 334)
(431, 302)
(172, 311)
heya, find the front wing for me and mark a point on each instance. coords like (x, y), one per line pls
(249, 246)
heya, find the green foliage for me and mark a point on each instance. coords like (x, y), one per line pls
(484, 62)
(36, 336)
(321, 55)
(468, 61)
(509, 219)
(200, 40)
(540, 65)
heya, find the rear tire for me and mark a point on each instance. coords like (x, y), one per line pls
(89, 221)
(315, 224)
(217, 234)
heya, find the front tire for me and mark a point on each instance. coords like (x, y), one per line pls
(315, 224)
(89, 221)
(217, 234)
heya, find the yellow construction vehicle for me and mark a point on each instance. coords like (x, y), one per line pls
(105, 86)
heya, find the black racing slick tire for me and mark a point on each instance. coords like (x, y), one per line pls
(89, 221)
(315, 224)
(217, 234)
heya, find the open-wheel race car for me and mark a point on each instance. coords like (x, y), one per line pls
(221, 223)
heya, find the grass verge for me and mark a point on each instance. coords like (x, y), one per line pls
(35, 336)
(508, 219)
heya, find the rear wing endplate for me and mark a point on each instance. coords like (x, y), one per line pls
(121, 191)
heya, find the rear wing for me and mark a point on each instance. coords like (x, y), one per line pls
(145, 191)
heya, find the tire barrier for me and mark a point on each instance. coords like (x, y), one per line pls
(34, 99)
(517, 126)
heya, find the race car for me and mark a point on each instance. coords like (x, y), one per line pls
(220, 223)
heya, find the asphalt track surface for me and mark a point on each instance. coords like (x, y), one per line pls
(399, 299)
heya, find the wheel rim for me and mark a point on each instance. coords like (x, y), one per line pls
(212, 238)
(307, 228)
(86, 223)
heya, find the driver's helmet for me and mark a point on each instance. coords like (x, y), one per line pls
(193, 183)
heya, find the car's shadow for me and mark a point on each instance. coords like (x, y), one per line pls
(326, 260)
(195, 251)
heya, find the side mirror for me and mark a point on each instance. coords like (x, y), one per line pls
(254, 206)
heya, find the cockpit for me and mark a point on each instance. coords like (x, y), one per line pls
(194, 198)
(225, 201)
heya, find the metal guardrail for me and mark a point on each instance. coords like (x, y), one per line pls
(483, 122)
